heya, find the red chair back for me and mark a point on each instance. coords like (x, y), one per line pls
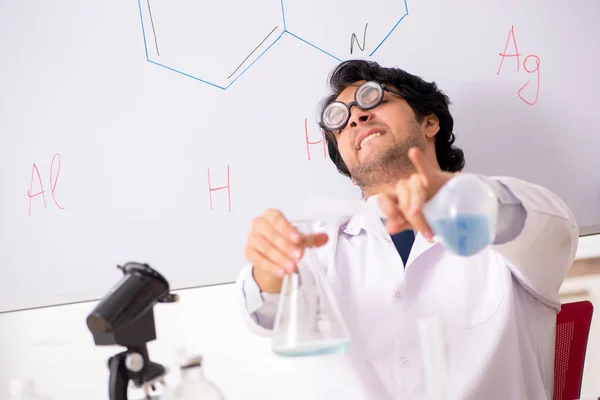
(572, 330)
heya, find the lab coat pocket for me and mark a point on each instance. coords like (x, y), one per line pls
(468, 292)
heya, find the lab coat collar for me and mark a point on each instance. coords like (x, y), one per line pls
(420, 246)
(371, 222)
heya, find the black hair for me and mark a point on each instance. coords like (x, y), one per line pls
(423, 97)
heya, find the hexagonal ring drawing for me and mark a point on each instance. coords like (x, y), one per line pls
(218, 47)
(214, 46)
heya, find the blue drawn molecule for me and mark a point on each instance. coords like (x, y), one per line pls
(217, 42)
(344, 29)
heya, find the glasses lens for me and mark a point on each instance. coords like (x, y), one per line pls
(335, 115)
(369, 94)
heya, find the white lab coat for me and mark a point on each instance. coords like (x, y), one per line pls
(497, 308)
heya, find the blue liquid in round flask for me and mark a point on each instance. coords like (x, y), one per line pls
(463, 215)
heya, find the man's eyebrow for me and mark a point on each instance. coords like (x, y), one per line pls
(352, 85)
(338, 96)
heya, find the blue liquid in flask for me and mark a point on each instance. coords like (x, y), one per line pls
(316, 349)
(465, 234)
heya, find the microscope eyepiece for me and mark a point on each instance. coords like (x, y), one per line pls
(143, 270)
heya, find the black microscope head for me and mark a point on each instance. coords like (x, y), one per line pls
(125, 316)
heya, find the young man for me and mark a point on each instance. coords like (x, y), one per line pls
(390, 132)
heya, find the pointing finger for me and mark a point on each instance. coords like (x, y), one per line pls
(417, 191)
(421, 163)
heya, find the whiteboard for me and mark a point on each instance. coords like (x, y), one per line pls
(158, 129)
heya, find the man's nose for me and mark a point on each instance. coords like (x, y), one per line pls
(359, 117)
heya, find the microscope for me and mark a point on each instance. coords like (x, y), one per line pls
(125, 317)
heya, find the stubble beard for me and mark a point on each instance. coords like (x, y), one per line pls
(384, 166)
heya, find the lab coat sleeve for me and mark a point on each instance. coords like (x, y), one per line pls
(544, 248)
(258, 309)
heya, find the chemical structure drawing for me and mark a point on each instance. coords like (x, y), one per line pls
(217, 42)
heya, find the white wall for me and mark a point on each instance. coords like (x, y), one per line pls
(54, 346)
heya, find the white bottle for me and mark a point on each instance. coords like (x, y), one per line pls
(193, 384)
(463, 214)
(24, 390)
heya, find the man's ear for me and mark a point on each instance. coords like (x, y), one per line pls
(430, 125)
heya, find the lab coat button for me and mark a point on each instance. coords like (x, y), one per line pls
(403, 360)
(398, 294)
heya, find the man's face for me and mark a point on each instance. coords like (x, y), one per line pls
(374, 144)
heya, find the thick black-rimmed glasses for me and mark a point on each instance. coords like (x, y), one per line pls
(367, 96)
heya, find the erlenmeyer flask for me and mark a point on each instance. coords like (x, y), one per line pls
(308, 321)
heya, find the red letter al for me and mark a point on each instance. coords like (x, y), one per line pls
(34, 170)
(308, 143)
(516, 54)
(53, 181)
(211, 189)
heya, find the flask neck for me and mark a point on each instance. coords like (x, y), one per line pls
(192, 373)
(306, 263)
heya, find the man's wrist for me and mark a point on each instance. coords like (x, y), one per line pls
(267, 282)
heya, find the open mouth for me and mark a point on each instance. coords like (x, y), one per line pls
(368, 138)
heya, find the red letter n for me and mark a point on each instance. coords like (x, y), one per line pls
(35, 171)
(511, 33)
(211, 189)
(308, 142)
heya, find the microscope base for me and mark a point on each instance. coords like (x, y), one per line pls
(142, 372)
